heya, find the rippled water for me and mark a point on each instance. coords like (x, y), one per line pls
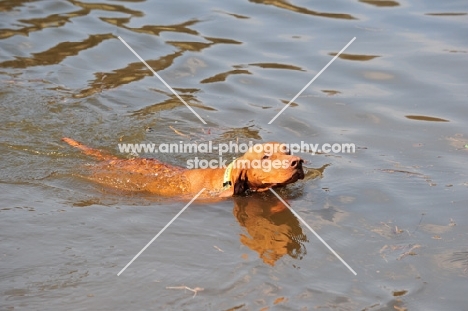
(395, 210)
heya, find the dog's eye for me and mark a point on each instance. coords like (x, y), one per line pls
(265, 157)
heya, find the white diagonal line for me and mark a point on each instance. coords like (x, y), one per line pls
(313, 79)
(315, 233)
(164, 82)
(160, 232)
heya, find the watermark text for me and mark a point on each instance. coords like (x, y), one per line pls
(234, 147)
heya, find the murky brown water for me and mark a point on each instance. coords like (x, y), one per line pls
(396, 211)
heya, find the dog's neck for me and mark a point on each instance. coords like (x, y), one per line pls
(227, 176)
(198, 181)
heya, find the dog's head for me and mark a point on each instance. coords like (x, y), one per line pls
(264, 166)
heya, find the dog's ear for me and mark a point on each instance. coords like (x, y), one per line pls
(240, 182)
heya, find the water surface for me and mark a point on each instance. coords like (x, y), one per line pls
(395, 210)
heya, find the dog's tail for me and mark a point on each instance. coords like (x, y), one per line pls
(89, 151)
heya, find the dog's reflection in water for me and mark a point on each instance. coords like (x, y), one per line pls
(272, 229)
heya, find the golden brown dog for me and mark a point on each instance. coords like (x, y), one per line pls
(244, 174)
